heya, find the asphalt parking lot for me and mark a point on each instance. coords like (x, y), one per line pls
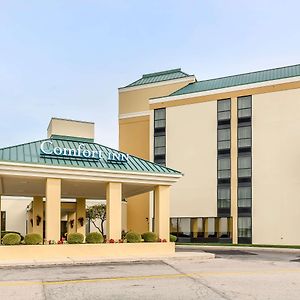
(234, 274)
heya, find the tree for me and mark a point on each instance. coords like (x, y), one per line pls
(97, 211)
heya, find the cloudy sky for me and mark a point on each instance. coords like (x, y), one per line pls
(68, 58)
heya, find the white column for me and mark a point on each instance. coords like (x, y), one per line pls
(113, 210)
(53, 214)
(162, 212)
(80, 213)
(38, 212)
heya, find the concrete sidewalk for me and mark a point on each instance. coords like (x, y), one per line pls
(94, 261)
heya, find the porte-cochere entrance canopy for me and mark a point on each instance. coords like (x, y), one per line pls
(76, 167)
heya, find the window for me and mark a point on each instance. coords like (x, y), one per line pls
(244, 169)
(244, 196)
(224, 196)
(223, 159)
(160, 136)
(184, 227)
(244, 107)
(224, 138)
(173, 226)
(244, 166)
(224, 167)
(3, 221)
(244, 136)
(244, 227)
(160, 118)
(224, 109)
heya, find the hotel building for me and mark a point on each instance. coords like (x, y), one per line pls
(236, 139)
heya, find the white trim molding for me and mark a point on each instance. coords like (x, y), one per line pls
(45, 171)
(155, 84)
(224, 90)
(134, 114)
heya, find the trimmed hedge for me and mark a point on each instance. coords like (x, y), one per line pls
(173, 238)
(133, 237)
(11, 239)
(149, 237)
(3, 233)
(33, 239)
(94, 238)
(75, 238)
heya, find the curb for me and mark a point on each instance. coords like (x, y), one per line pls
(72, 261)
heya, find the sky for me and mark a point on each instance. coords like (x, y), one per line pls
(68, 58)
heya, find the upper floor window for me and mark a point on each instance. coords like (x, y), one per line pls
(244, 166)
(160, 136)
(224, 110)
(159, 118)
(223, 167)
(244, 136)
(223, 138)
(244, 106)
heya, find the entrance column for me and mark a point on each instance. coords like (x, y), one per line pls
(162, 212)
(206, 227)
(53, 214)
(71, 228)
(194, 225)
(113, 210)
(80, 215)
(217, 227)
(38, 215)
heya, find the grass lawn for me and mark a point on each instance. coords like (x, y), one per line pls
(241, 245)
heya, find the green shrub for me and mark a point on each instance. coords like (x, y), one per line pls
(133, 237)
(11, 239)
(3, 233)
(33, 239)
(173, 238)
(75, 238)
(149, 237)
(94, 238)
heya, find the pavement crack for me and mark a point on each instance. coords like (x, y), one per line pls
(198, 282)
(43, 290)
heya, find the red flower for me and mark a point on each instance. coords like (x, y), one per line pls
(111, 241)
(164, 240)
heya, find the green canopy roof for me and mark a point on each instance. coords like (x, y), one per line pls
(31, 153)
(159, 76)
(240, 79)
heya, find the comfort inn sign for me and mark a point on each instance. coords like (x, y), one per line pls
(81, 152)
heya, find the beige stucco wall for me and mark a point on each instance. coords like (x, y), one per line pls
(15, 208)
(136, 100)
(71, 128)
(276, 162)
(84, 251)
(134, 138)
(192, 149)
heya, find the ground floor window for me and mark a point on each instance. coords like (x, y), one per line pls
(3, 221)
(201, 229)
(244, 227)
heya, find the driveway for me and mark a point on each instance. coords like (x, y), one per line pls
(234, 274)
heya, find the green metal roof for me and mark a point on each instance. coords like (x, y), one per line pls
(241, 79)
(159, 76)
(31, 153)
